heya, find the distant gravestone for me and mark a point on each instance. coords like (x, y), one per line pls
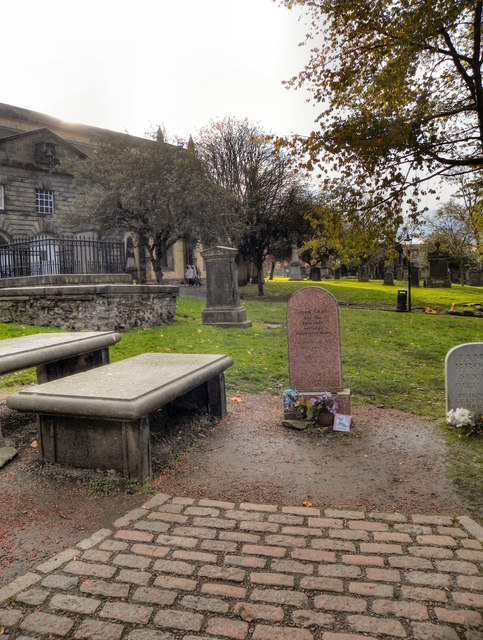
(295, 272)
(315, 274)
(314, 346)
(474, 278)
(438, 269)
(389, 278)
(464, 377)
(415, 275)
(325, 270)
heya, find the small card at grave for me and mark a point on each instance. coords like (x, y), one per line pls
(464, 377)
(314, 349)
(342, 422)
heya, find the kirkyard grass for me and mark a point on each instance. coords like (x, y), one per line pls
(390, 359)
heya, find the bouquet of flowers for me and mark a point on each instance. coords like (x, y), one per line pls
(460, 418)
(325, 403)
(465, 420)
(291, 400)
(309, 408)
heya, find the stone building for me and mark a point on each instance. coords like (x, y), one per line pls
(34, 186)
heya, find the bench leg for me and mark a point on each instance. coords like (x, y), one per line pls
(97, 444)
(69, 366)
(217, 395)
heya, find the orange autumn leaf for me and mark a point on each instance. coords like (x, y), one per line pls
(237, 399)
(306, 503)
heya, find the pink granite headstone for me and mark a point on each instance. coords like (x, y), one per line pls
(314, 349)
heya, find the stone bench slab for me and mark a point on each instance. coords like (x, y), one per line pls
(100, 418)
(41, 348)
(124, 390)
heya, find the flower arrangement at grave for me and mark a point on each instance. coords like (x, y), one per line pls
(319, 409)
(466, 421)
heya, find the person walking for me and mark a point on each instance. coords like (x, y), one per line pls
(189, 275)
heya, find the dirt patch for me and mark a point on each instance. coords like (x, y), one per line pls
(390, 461)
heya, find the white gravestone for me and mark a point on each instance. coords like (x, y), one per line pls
(464, 377)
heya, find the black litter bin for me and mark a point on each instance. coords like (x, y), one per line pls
(402, 300)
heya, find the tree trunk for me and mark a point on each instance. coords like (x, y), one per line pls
(142, 258)
(261, 281)
(157, 263)
(462, 274)
(242, 272)
(272, 269)
(156, 259)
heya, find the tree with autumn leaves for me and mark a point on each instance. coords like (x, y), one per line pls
(399, 92)
(457, 227)
(345, 230)
(154, 191)
(272, 197)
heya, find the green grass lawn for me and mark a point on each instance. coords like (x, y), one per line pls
(394, 360)
(389, 358)
(373, 294)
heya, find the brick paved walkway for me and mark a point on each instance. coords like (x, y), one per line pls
(179, 568)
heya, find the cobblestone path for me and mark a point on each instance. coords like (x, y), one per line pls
(179, 568)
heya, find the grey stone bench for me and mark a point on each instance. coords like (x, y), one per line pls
(56, 355)
(100, 418)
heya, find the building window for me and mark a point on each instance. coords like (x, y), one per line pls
(2, 197)
(44, 200)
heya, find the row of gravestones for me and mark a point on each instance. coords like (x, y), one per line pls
(315, 360)
(314, 345)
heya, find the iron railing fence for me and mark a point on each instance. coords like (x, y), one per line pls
(35, 257)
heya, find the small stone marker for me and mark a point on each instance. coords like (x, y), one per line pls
(464, 377)
(314, 347)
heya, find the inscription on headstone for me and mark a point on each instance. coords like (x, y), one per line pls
(314, 347)
(464, 377)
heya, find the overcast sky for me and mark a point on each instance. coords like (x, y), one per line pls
(133, 65)
(138, 64)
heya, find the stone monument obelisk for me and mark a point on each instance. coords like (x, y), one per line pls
(223, 307)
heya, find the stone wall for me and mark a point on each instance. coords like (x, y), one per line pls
(90, 307)
(66, 279)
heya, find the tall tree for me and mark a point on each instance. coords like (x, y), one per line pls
(399, 90)
(349, 228)
(470, 211)
(457, 226)
(155, 191)
(242, 160)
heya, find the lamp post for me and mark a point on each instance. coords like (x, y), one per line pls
(408, 240)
